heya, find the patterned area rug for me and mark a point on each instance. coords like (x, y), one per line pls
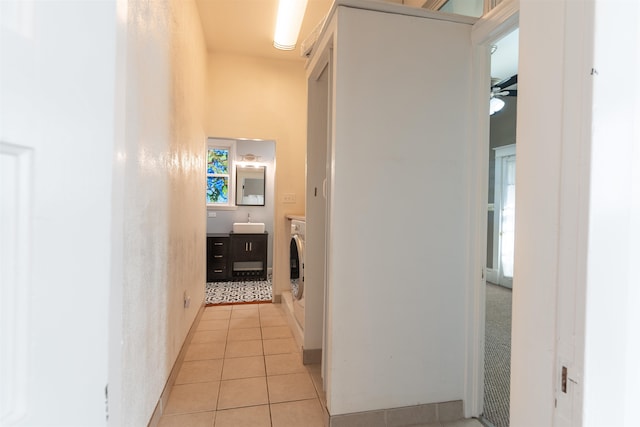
(238, 292)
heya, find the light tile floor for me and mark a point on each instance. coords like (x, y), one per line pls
(244, 369)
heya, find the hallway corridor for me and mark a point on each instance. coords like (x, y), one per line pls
(243, 368)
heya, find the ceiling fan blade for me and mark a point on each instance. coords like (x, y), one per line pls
(506, 82)
(508, 92)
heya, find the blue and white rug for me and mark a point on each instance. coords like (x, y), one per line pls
(238, 292)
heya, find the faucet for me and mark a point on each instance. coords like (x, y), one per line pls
(249, 217)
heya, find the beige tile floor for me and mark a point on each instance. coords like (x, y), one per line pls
(243, 368)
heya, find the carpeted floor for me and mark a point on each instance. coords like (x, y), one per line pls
(238, 292)
(497, 357)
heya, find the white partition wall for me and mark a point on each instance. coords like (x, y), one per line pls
(398, 216)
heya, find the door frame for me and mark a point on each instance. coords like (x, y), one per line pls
(494, 25)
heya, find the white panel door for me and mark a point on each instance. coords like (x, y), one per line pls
(56, 138)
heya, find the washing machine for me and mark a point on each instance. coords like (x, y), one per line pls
(296, 271)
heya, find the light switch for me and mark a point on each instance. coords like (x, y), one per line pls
(211, 214)
(289, 198)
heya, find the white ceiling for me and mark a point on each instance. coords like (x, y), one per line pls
(246, 26)
(504, 61)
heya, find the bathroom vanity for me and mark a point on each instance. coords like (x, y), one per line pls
(236, 256)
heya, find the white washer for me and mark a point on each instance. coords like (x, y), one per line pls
(296, 270)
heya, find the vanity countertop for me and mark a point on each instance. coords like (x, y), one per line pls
(217, 234)
(296, 217)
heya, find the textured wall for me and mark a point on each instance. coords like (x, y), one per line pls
(159, 192)
(266, 99)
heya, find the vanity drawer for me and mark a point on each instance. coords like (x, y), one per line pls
(217, 246)
(217, 271)
(217, 258)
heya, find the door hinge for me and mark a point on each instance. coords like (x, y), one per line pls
(565, 380)
(106, 402)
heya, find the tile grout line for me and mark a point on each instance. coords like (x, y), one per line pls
(224, 358)
(261, 316)
(264, 359)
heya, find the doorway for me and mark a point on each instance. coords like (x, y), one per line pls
(500, 230)
(504, 206)
(240, 231)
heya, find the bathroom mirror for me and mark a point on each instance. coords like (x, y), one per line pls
(250, 185)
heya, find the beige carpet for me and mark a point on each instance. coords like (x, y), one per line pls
(497, 358)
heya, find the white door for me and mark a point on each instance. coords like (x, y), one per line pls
(317, 206)
(504, 217)
(56, 150)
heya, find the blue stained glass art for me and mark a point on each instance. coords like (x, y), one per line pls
(218, 161)
(217, 189)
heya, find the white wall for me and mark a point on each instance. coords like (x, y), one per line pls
(158, 213)
(575, 293)
(57, 106)
(612, 347)
(398, 274)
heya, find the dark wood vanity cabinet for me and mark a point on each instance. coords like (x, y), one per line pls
(236, 257)
(217, 257)
(248, 256)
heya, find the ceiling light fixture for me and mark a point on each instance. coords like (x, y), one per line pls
(495, 105)
(249, 157)
(290, 14)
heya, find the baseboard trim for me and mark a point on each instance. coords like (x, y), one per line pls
(311, 356)
(431, 413)
(492, 275)
(164, 396)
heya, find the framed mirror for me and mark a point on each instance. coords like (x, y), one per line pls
(250, 185)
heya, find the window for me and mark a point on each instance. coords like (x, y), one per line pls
(473, 8)
(219, 172)
(466, 7)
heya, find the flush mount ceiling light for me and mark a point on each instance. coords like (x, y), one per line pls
(290, 14)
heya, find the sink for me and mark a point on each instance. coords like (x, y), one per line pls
(248, 227)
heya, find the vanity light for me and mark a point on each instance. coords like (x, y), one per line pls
(249, 161)
(290, 14)
(249, 158)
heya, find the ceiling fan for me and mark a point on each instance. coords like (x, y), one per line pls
(500, 89)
